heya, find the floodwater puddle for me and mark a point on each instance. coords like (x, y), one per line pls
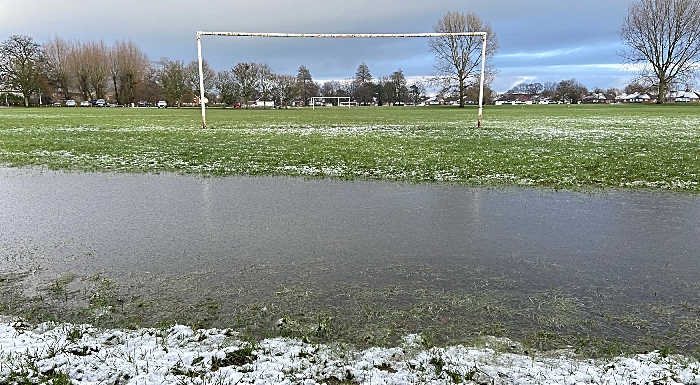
(446, 259)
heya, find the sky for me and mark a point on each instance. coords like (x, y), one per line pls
(539, 40)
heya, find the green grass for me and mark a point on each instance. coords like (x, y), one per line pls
(573, 147)
(555, 146)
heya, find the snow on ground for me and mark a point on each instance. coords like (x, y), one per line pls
(180, 355)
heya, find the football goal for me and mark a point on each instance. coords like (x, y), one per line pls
(204, 101)
(343, 101)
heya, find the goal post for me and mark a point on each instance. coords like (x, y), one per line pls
(336, 98)
(203, 101)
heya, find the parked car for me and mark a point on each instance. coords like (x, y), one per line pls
(70, 103)
(84, 103)
(162, 104)
(143, 103)
(237, 105)
(99, 103)
(57, 104)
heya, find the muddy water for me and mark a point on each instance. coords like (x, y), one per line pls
(225, 237)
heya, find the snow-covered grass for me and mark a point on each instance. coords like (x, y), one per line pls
(556, 146)
(81, 354)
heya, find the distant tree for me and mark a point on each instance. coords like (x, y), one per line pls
(363, 74)
(471, 94)
(192, 74)
(527, 88)
(636, 86)
(57, 60)
(128, 67)
(97, 67)
(225, 86)
(246, 77)
(381, 89)
(613, 91)
(416, 92)
(285, 88)
(149, 88)
(78, 62)
(399, 88)
(571, 90)
(21, 64)
(305, 84)
(458, 58)
(173, 79)
(665, 34)
(549, 90)
(332, 88)
(265, 81)
(363, 88)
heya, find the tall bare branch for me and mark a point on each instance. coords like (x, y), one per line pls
(664, 37)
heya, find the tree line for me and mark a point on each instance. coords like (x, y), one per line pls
(662, 36)
(62, 69)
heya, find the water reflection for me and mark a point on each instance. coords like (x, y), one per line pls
(173, 223)
(324, 233)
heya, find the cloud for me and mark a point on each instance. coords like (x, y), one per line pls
(534, 36)
(541, 54)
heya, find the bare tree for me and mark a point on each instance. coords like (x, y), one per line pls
(173, 79)
(265, 81)
(77, 66)
(416, 91)
(21, 60)
(128, 66)
(458, 58)
(246, 77)
(285, 87)
(96, 67)
(332, 88)
(571, 91)
(57, 56)
(225, 85)
(209, 75)
(548, 89)
(527, 88)
(664, 35)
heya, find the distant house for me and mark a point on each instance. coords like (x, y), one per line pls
(514, 99)
(637, 97)
(684, 97)
(598, 98)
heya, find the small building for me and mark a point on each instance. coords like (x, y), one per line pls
(636, 97)
(684, 97)
(598, 98)
(514, 99)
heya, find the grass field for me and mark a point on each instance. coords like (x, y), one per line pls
(569, 147)
(558, 146)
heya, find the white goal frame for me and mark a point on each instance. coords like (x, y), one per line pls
(338, 98)
(203, 101)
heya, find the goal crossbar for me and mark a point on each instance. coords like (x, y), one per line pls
(203, 100)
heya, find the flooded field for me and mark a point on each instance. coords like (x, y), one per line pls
(354, 261)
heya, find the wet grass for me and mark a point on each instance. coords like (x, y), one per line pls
(555, 146)
(275, 300)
